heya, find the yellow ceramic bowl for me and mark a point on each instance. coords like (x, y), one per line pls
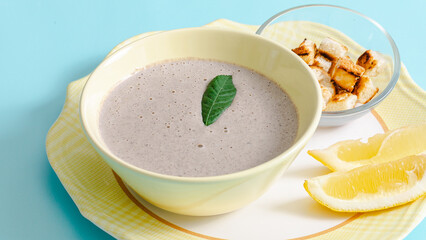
(202, 196)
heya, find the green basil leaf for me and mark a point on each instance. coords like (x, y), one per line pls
(217, 98)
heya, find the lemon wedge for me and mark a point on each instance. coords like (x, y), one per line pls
(392, 145)
(371, 187)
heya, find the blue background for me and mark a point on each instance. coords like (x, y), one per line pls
(44, 45)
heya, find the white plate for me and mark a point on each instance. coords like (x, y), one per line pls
(286, 210)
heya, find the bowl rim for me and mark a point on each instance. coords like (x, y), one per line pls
(292, 150)
(396, 59)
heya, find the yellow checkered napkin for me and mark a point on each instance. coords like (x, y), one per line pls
(96, 192)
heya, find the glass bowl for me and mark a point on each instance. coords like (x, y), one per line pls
(351, 28)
